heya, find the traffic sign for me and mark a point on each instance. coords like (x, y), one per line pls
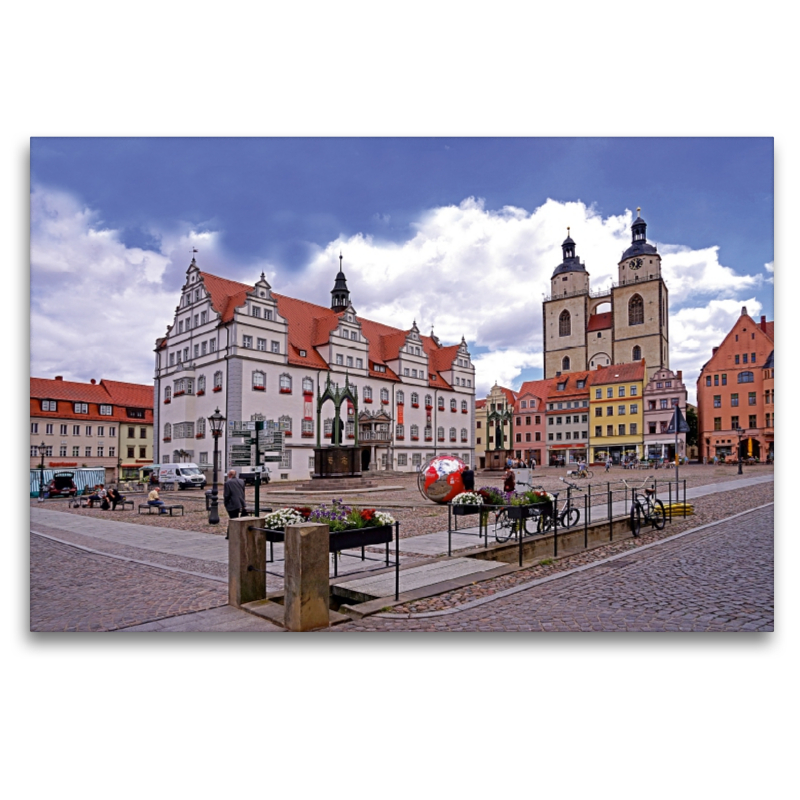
(243, 425)
(272, 457)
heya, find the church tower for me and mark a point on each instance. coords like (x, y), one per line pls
(565, 315)
(640, 304)
(340, 296)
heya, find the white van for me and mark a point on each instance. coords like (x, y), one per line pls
(184, 476)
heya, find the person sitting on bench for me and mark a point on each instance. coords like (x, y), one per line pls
(154, 500)
(115, 497)
(99, 495)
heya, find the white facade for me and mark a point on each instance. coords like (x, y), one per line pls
(254, 354)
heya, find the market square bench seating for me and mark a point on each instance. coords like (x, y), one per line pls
(169, 508)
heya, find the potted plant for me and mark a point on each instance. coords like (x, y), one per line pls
(467, 503)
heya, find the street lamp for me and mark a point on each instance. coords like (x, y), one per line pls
(216, 421)
(41, 472)
(740, 433)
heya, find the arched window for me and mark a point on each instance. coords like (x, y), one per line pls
(308, 386)
(384, 396)
(285, 382)
(259, 381)
(285, 425)
(428, 401)
(415, 431)
(464, 407)
(636, 310)
(218, 381)
(453, 405)
(201, 385)
(167, 432)
(367, 394)
(564, 323)
(452, 434)
(201, 428)
(440, 434)
(565, 364)
(401, 398)
(463, 434)
(167, 394)
(441, 404)
(636, 355)
(745, 377)
(415, 400)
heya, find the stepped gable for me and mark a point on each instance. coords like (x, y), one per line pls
(310, 326)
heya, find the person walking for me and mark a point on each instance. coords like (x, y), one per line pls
(510, 481)
(608, 463)
(233, 495)
(468, 479)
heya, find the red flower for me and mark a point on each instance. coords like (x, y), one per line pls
(367, 514)
(305, 511)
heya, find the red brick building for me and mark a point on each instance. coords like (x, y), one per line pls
(736, 394)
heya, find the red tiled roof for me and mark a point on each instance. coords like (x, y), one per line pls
(480, 403)
(571, 389)
(538, 388)
(310, 326)
(131, 395)
(117, 394)
(618, 373)
(600, 322)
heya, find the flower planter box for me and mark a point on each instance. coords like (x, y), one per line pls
(308, 434)
(201, 392)
(415, 438)
(525, 512)
(415, 405)
(200, 436)
(400, 403)
(360, 537)
(400, 438)
(178, 394)
(465, 510)
(167, 439)
(217, 389)
(465, 411)
(259, 388)
(167, 401)
(429, 438)
(285, 391)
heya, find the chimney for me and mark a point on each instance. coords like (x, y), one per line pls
(764, 324)
(59, 377)
(680, 375)
(744, 311)
(93, 381)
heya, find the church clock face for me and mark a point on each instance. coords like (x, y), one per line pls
(635, 263)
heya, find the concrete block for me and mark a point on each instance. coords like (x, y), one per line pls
(306, 584)
(246, 548)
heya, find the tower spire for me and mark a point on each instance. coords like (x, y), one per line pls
(340, 296)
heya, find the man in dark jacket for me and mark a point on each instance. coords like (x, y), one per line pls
(233, 495)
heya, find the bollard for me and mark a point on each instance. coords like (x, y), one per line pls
(306, 582)
(246, 548)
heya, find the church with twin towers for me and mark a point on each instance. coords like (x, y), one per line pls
(585, 329)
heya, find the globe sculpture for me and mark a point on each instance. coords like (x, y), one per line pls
(440, 478)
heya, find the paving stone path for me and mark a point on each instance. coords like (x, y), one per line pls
(72, 590)
(719, 578)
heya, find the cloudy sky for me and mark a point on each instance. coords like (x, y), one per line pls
(459, 234)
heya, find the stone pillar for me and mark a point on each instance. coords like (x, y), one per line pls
(306, 582)
(246, 548)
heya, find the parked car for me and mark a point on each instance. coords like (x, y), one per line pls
(248, 475)
(62, 485)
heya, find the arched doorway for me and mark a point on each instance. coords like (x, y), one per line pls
(365, 459)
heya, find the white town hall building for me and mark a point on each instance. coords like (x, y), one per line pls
(255, 354)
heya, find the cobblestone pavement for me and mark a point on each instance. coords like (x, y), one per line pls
(72, 590)
(719, 578)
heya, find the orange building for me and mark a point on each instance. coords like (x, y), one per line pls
(530, 421)
(736, 395)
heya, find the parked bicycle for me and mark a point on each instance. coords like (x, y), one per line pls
(568, 513)
(646, 508)
(506, 526)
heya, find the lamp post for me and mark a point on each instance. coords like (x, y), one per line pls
(740, 433)
(216, 421)
(41, 472)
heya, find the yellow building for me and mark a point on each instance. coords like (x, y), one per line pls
(494, 428)
(616, 404)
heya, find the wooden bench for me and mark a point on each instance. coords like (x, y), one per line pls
(124, 503)
(158, 509)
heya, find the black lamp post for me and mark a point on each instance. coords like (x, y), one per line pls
(740, 433)
(216, 421)
(41, 472)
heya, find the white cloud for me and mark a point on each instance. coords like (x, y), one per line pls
(97, 306)
(770, 267)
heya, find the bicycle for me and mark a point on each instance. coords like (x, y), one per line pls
(506, 526)
(580, 473)
(568, 515)
(645, 508)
